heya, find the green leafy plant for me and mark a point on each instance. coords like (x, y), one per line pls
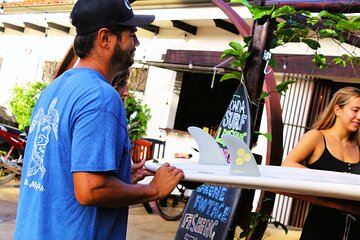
(257, 218)
(299, 26)
(138, 115)
(23, 100)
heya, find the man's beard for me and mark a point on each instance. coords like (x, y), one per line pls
(120, 60)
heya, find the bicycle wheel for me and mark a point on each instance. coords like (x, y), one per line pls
(172, 207)
(6, 176)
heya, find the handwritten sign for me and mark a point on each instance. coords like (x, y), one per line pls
(236, 120)
(209, 214)
(212, 211)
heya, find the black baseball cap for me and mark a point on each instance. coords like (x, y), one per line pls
(91, 15)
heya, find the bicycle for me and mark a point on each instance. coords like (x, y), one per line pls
(172, 207)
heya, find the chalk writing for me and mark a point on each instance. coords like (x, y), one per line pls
(215, 192)
(198, 224)
(235, 116)
(209, 214)
(222, 131)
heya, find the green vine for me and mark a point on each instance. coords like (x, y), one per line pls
(304, 27)
(296, 27)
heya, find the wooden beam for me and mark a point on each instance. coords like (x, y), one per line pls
(239, 23)
(295, 63)
(302, 64)
(59, 27)
(14, 27)
(335, 6)
(184, 26)
(151, 28)
(2, 29)
(226, 26)
(35, 27)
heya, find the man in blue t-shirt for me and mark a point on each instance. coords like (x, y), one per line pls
(76, 180)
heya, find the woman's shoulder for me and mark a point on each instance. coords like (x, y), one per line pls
(314, 134)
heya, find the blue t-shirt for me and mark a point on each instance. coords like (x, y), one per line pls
(78, 125)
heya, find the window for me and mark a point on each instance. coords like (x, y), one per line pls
(199, 104)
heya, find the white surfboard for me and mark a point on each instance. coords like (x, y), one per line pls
(279, 179)
(271, 178)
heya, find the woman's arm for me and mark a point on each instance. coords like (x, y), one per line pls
(104, 190)
(303, 152)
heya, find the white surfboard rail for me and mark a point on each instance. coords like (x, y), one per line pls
(247, 174)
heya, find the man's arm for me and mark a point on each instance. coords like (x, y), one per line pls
(104, 190)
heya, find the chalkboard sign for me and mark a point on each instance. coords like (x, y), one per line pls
(236, 120)
(212, 211)
(210, 214)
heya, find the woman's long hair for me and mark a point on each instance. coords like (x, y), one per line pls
(341, 98)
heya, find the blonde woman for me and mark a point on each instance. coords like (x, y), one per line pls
(333, 145)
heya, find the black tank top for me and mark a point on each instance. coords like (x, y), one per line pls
(330, 163)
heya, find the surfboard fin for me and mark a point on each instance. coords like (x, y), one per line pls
(242, 160)
(209, 150)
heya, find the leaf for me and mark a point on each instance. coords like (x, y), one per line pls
(263, 95)
(267, 135)
(283, 87)
(229, 52)
(348, 25)
(236, 46)
(282, 25)
(247, 40)
(324, 33)
(320, 61)
(236, 63)
(339, 61)
(311, 43)
(272, 61)
(232, 75)
(259, 12)
(284, 10)
(243, 2)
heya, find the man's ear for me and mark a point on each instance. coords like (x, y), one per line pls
(104, 37)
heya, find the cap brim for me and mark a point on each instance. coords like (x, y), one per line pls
(139, 20)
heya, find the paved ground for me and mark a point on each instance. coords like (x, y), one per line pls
(141, 224)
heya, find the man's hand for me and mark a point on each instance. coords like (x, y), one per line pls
(166, 179)
(139, 172)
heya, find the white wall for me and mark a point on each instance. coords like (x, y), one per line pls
(23, 56)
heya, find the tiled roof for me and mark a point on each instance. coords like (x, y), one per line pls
(38, 2)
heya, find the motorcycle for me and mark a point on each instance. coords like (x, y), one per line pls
(12, 148)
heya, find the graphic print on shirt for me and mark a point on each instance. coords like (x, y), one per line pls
(44, 125)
